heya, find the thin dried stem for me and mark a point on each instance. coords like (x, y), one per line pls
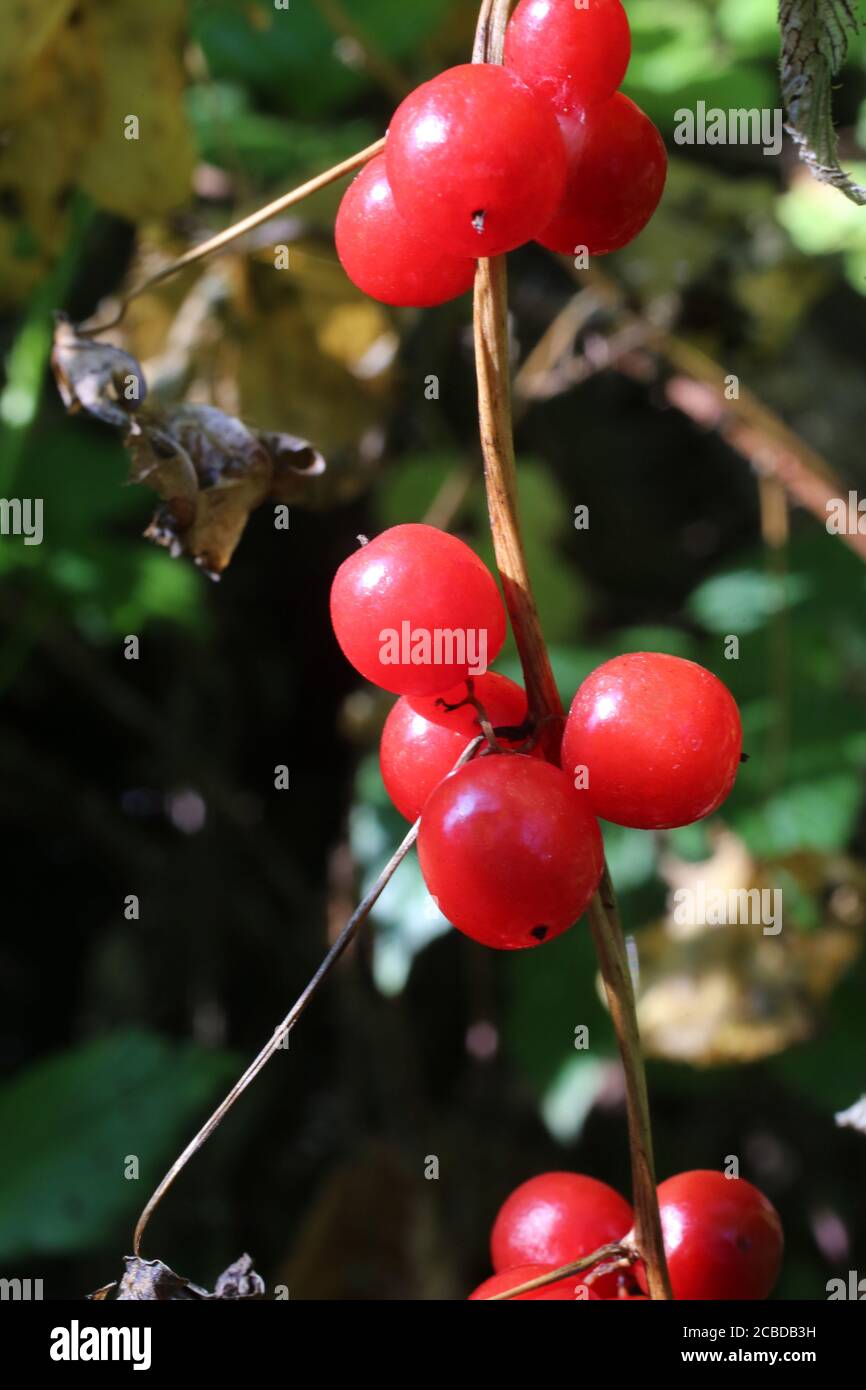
(610, 948)
(239, 229)
(500, 476)
(279, 1039)
(617, 1253)
(493, 369)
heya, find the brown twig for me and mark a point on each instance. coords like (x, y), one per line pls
(279, 1038)
(494, 404)
(500, 476)
(239, 229)
(613, 960)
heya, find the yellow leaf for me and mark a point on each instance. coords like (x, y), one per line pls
(141, 46)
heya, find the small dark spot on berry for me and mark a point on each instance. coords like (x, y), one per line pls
(539, 933)
(478, 220)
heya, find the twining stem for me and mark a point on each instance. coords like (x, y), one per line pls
(613, 962)
(500, 475)
(279, 1039)
(239, 229)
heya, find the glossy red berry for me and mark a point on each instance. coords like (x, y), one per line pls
(416, 611)
(660, 739)
(384, 255)
(510, 851)
(556, 1218)
(423, 737)
(475, 160)
(570, 1290)
(573, 55)
(723, 1238)
(617, 165)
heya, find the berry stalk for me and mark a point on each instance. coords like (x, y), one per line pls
(500, 475)
(239, 229)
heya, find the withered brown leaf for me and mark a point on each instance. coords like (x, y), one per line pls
(209, 470)
(153, 1281)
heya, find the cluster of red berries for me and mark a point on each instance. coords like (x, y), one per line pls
(484, 158)
(723, 1238)
(509, 844)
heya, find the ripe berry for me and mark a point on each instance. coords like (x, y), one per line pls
(660, 737)
(569, 1289)
(574, 56)
(723, 1238)
(422, 738)
(510, 851)
(385, 256)
(416, 611)
(617, 164)
(556, 1218)
(476, 162)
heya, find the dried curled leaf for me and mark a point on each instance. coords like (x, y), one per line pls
(153, 1281)
(240, 1281)
(209, 470)
(815, 36)
(95, 377)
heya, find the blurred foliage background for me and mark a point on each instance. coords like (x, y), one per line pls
(156, 778)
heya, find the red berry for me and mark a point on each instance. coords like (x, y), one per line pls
(384, 255)
(569, 1289)
(422, 739)
(723, 1238)
(476, 162)
(617, 164)
(510, 851)
(557, 1218)
(416, 611)
(574, 55)
(660, 738)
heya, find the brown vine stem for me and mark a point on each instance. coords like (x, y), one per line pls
(239, 229)
(494, 406)
(279, 1039)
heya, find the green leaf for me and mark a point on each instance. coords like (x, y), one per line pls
(232, 136)
(294, 56)
(550, 993)
(819, 815)
(815, 36)
(70, 1124)
(405, 919)
(571, 1096)
(744, 600)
